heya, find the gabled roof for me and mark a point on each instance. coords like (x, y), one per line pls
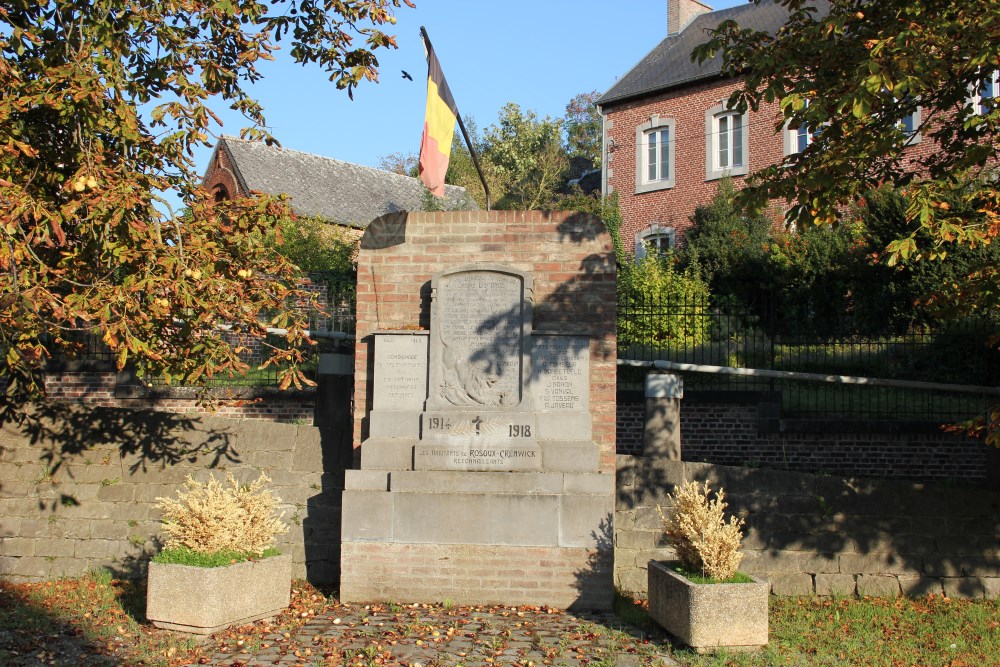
(669, 65)
(340, 192)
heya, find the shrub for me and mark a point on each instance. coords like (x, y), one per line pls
(213, 517)
(661, 304)
(697, 530)
(730, 245)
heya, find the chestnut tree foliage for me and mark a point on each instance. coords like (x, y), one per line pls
(854, 76)
(102, 103)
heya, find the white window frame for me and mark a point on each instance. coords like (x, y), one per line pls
(915, 119)
(794, 136)
(976, 97)
(654, 231)
(663, 181)
(713, 170)
(914, 134)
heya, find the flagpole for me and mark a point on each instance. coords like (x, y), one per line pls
(465, 133)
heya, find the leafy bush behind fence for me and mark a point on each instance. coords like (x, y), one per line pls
(755, 338)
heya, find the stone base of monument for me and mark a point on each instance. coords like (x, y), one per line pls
(530, 538)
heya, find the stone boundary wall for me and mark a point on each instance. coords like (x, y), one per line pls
(77, 490)
(810, 534)
(105, 388)
(569, 256)
(732, 432)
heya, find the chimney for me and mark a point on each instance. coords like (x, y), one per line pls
(681, 12)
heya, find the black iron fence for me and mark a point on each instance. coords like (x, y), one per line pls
(706, 333)
(709, 334)
(335, 315)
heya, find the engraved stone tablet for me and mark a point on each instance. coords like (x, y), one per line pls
(479, 320)
(400, 379)
(479, 412)
(560, 373)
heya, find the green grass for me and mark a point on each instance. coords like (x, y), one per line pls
(185, 556)
(698, 578)
(875, 632)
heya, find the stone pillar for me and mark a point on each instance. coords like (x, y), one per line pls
(661, 438)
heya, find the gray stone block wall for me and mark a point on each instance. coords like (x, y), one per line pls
(826, 535)
(77, 488)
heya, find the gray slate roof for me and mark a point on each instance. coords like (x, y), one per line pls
(341, 192)
(669, 65)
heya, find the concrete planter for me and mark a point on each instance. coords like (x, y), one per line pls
(707, 616)
(203, 600)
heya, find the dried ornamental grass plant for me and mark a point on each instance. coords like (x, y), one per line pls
(212, 517)
(697, 529)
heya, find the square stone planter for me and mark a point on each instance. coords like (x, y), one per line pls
(204, 600)
(707, 616)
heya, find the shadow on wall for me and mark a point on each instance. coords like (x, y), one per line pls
(151, 440)
(79, 483)
(321, 527)
(592, 582)
(836, 535)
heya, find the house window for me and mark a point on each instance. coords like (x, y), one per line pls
(909, 124)
(984, 100)
(654, 154)
(797, 139)
(727, 143)
(656, 239)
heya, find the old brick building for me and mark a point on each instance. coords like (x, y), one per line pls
(340, 192)
(669, 138)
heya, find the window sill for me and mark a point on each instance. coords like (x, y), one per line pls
(655, 186)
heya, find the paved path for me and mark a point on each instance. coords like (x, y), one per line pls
(426, 636)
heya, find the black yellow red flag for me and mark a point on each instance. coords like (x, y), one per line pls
(439, 127)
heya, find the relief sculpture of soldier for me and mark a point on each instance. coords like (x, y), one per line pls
(467, 382)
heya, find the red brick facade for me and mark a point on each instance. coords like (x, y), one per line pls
(686, 107)
(470, 573)
(673, 207)
(568, 255)
(220, 177)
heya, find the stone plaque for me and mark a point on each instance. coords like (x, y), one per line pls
(480, 317)
(560, 368)
(477, 427)
(400, 378)
(485, 457)
(480, 440)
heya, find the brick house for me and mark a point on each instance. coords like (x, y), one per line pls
(346, 194)
(669, 138)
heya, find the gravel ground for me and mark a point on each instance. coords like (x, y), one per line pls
(428, 635)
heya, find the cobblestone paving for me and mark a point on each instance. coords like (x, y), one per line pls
(436, 636)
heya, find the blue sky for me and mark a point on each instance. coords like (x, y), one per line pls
(538, 53)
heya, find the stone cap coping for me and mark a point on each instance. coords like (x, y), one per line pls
(664, 385)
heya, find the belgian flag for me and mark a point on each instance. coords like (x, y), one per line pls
(439, 127)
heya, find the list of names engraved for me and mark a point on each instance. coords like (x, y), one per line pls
(560, 373)
(400, 380)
